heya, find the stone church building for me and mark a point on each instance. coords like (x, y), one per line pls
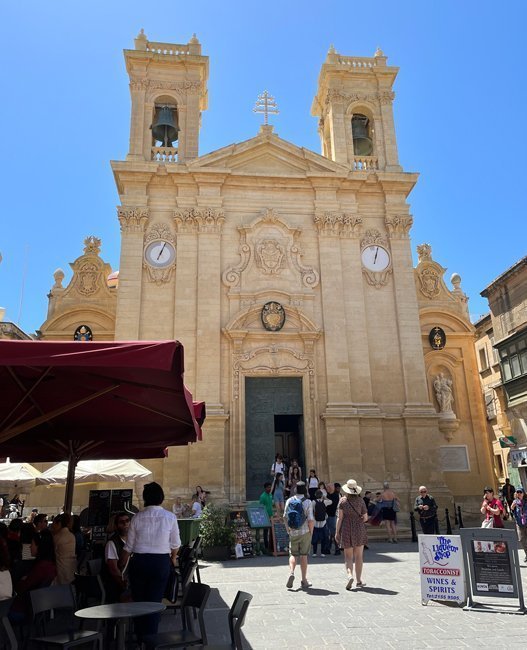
(288, 277)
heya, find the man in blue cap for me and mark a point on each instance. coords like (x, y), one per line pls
(519, 511)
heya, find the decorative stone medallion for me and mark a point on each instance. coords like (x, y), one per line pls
(83, 333)
(437, 338)
(273, 316)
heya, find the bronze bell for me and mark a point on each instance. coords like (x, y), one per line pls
(165, 127)
(362, 144)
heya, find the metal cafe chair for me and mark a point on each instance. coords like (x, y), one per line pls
(59, 599)
(237, 615)
(196, 597)
(5, 625)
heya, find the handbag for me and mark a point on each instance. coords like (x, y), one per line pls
(488, 523)
(396, 507)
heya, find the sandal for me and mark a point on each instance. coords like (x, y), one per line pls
(361, 584)
(349, 584)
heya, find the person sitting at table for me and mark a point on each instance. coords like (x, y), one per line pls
(115, 580)
(196, 507)
(153, 539)
(202, 495)
(41, 574)
(179, 508)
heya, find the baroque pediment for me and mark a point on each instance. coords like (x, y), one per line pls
(267, 155)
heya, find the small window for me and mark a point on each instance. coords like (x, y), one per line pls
(506, 370)
(515, 364)
(490, 404)
(495, 357)
(483, 361)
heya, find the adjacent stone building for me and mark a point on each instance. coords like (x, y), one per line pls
(288, 277)
(507, 296)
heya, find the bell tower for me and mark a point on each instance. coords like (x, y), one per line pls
(354, 107)
(168, 86)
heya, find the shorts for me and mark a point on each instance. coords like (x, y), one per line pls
(300, 545)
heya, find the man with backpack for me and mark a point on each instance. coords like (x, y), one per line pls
(299, 522)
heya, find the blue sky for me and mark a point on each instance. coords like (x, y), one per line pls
(459, 110)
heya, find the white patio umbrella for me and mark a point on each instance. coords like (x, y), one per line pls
(19, 477)
(88, 471)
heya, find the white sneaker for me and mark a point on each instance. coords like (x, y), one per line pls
(322, 555)
(314, 555)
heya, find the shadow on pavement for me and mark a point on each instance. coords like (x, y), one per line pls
(376, 590)
(317, 592)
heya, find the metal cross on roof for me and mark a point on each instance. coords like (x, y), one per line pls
(266, 104)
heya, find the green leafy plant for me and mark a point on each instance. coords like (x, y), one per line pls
(215, 528)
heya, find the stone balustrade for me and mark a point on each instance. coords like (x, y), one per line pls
(357, 61)
(174, 49)
(365, 163)
(164, 154)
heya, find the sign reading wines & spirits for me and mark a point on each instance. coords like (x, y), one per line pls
(441, 568)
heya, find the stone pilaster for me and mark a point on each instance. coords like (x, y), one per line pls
(137, 92)
(390, 140)
(133, 221)
(338, 131)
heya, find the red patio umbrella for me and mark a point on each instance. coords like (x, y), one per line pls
(72, 400)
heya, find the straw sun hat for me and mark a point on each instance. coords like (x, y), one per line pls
(351, 487)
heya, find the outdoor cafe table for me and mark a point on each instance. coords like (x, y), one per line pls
(120, 611)
(188, 530)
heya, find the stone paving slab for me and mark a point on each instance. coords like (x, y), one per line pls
(387, 613)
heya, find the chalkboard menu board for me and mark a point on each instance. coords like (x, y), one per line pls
(99, 507)
(121, 500)
(279, 536)
(258, 517)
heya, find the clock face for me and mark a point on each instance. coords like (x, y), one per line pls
(160, 253)
(375, 258)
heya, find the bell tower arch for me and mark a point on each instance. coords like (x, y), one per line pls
(168, 87)
(354, 107)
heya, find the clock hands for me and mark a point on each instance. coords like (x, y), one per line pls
(376, 253)
(161, 251)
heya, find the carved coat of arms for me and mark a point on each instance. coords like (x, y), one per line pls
(88, 279)
(430, 285)
(273, 316)
(270, 256)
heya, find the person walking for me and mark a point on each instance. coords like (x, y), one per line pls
(266, 500)
(319, 530)
(426, 508)
(507, 491)
(312, 483)
(278, 493)
(153, 539)
(519, 512)
(492, 508)
(351, 532)
(331, 522)
(389, 508)
(299, 522)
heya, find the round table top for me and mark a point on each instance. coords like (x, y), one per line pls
(120, 610)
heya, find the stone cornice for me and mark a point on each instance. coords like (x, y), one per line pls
(200, 220)
(132, 219)
(179, 87)
(338, 224)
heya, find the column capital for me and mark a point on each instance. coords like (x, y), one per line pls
(398, 226)
(132, 218)
(338, 224)
(200, 220)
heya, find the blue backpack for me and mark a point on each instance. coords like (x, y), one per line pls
(295, 514)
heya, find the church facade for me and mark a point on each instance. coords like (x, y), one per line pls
(288, 277)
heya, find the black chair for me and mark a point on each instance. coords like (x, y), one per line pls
(184, 576)
(5, 625)
(236, 620)
(195, 553)
(59, 599)
(94, 566)
(196, 597)
(89, 590)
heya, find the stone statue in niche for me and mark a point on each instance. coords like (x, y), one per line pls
(444, 394)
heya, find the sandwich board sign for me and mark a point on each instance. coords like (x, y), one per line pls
(491, 563)
(441, 568)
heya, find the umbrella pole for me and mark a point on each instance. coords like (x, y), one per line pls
(70, 479)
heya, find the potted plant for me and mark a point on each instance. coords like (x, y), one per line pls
(216, 532)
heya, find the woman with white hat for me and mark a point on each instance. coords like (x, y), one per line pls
(351, 532)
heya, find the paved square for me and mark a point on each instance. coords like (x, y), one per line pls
(387, 613)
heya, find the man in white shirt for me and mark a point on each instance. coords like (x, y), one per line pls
(115, 580)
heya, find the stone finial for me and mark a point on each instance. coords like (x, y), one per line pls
(456, 281)
(332, 55)
(58, 276)
(194, 40)
(2, 313)
(378, 52)
(141, 40)
(92, 245)
(424, 253)
(332, 49)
